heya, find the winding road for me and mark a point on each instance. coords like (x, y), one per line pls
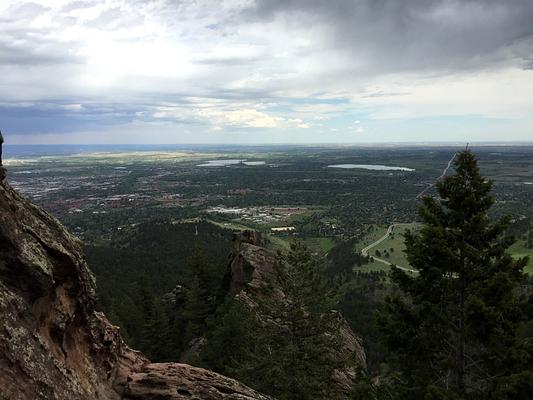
(365, 251)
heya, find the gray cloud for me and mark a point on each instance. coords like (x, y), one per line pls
(392, 35)
(73, 65)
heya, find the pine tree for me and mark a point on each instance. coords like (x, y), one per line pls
(296, 359)
(310, 329)
(529, 243)
(203, 295)
(197, 309)
(454, 329)
(232, 338)
(157, 330)
(144, 304)
(283, 345)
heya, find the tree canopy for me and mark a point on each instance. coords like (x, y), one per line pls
(453, 328)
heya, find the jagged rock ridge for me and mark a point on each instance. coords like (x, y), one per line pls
(53, 344)
(253, 276)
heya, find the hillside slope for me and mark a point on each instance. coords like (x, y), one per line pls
(53, 344)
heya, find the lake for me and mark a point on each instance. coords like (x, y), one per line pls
(224, 163)
(373, 167)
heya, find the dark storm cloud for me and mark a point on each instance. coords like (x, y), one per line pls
(392, 35)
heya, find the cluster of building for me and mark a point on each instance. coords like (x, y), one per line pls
(259, 215)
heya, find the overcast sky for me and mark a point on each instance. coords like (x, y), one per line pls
(266, 71)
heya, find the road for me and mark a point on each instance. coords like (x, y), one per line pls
(365, 251)
(439, 178)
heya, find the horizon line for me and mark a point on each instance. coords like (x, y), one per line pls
(416, 143)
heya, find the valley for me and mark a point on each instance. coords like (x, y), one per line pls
(284, 192)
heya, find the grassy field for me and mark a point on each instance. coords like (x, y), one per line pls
(394, 246)
(318, 245)
(374, 234)
(396, 241)
(321, 245)
(231, 225)
(519, 250)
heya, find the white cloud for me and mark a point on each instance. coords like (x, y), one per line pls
(279, 66)
(504, 93)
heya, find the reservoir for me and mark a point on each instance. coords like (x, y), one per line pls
(224, 163)
(370, 167)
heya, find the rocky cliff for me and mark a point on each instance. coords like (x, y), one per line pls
(53, 344)
(253, 277)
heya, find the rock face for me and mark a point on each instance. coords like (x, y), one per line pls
(252, 270)
(181, 381)
(53, 344)
(252, 266)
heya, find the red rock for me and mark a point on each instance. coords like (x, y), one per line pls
(53, 344)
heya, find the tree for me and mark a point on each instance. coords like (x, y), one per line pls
(282, 345)
(454, 327)
(158, 334)
(308, 328)
(529, 242)
(232, 338)
(203, 294)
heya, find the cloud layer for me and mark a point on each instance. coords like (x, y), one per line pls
(266, 70)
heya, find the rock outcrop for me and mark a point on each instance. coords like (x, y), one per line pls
(53, 344)
(253, 277)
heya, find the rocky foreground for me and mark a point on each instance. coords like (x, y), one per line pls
(53, 344)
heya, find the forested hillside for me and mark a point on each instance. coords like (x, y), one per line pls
(169, 285)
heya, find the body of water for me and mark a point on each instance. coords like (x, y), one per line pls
(370, 167)
(224, 163)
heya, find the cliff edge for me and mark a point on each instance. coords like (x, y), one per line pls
(253, 277)
(53, 344)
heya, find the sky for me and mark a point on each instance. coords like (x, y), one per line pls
(266, 71)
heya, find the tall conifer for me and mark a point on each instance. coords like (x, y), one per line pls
(454, 326)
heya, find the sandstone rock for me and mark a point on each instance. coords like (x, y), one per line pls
(253, 277)
(252, 268)
(53, 344)
(181, 381)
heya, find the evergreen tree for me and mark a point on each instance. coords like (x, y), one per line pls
(197, 309)
(308, 331)
(284, 343)
(529, 242)
(158, 335)
(232, 338)
(145, 305)
(454, 329)
(204, 293)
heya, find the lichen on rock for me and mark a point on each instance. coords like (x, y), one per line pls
(54, 345)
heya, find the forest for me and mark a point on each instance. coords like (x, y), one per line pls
(461, 327)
